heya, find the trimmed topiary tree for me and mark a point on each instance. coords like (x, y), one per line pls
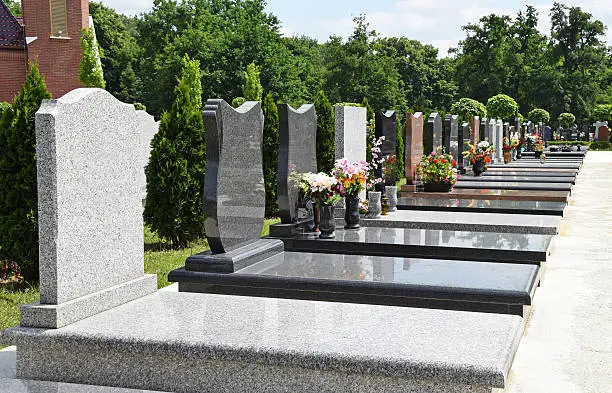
(326, 133)
(467, 108)
(270, 154)
(502, 107)
(539, 115)
(18, 187)
(90, 67)
(566, 119)
(175, 174)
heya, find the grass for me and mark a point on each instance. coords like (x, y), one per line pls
(159, 259)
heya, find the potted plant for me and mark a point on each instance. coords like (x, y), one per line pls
(479, 156)
(325, 192)
(507, 148)
(438, 171)
(353, 177)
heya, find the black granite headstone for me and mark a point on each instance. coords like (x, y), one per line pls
(547, 134)
(386, 125)
(432, 138)
(483, 129)
(297, 154)
(451, 132)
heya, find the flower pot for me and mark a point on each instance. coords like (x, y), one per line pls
(391, 193)
(328, 223)
(478, 168)
(507, 156)
(437, 187)
(351, 213)
(374, 204)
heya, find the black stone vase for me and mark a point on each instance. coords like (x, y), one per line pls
(351, 215)
(519, 153)
(327, 226)
(478, 168)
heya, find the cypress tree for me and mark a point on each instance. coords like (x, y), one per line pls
(175, 173)
(252, 90)
(270, 154)
(18, 187)
(326, 133)
(90, 67)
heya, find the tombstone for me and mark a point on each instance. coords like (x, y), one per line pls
(507, 130)
(148, 129)
(475, 130)
(493, 137)
(386, 125)
(464, 139)
(547, 134)
(90, 150)
(483, 129)
(432, 137)
(351, 122)
(499, 141)
(517, 127)
(451, 133)
(603, 134)
(297, 154)
(413, 152)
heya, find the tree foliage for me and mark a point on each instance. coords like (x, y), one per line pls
(270, 154)
(14, 6)
(502, 107)
(467, 108)
(90, 67)
(252, 90)
(539, 115)
(602, 112)
(566, 119)
(19, 196)
(175, 173)
(326, 143)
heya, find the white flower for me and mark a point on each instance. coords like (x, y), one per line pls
(483, 144)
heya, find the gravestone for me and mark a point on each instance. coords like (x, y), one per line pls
(351, 122)
(603, 134)
(148, 130)
(464, 139)
(451, 131)
(507, 130)
(483, 129)
(475, 130)
(89, 207)
(386, 124)
(432, 137)
(499, 142)
(517, 127)
(413, 152)
(547, 134)
(297, 154)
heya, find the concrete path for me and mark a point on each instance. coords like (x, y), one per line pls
(567, 345)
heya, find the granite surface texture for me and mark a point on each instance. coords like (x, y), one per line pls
(475, 130)
(351, 124)
(490, 194)
(234, 210)
(451, 135)
(536, 164)
(297, 154)
(483, 206)
(507, 177)
(509, 185)
(463, 138)
(181, 342)
(529, 173)
(498, 151)
(386, 125)
(413, 152)
(432, 137)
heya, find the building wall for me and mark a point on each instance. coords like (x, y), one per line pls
(58, 58)
(12, 76)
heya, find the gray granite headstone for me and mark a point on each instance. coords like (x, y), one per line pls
(89, 207)
(451, 123)
(547, 133)
(386, 125)
(517, 127)
(234, 193)
(297, 154)
(432, 138)
(351, 122)
(499, 141)
(507, 130)
(464, 139)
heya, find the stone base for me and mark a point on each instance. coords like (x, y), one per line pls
(56, 316)
(192, 343)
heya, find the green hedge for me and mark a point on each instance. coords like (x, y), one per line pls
(600, 146)
(572, 143)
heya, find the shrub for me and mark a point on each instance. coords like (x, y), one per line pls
(502, 107)
(270, 154)
(539, 115)
(326, 143)
(252, 90)
(18, 195)
(600, 145)
(467, 108)
(175, 173)
(602, 112)
(90, 67)
(566, 119)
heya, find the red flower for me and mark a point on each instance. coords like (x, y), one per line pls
(443, 161)
(454, 163)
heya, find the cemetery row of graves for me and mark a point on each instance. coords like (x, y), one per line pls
(437, 277)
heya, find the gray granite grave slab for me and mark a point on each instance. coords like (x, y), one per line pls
(89, 208)
(297, 154)
(193, 343)
(484, 206)
(492, 172)
(503, 185)
(351, 124)
(432, 136)
(519, 179)
(458, 221)
(428, 283)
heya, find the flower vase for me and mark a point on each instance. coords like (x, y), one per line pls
(328, 223)
(478, 168)
(351, 214)
(391, 193)
(519, 153)
(507, 156)
(374, 204)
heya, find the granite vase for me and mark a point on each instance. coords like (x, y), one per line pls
(507, 156)
(374, 204)
(328, 222)
(391, 193)
(437, 187)
(351, 213)
(478, 168)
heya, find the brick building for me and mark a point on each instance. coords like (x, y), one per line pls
(49, 33)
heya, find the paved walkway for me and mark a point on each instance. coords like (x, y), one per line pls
(567, 346)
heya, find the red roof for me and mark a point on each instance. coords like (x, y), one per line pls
(12, 35)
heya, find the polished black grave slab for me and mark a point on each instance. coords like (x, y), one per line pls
(501, 206)
(514, 185)
(519, 179)
(527, 173)
(537, 164)
(425, 283)
(428, 243)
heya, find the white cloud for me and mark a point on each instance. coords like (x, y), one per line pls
(132, 7)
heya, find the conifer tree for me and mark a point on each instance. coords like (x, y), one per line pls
(19, 194)
(252, 90)
(270, 154)
(90, 67)
(326, 142)
(175, 173)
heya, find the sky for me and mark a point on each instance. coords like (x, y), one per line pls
(435, 22)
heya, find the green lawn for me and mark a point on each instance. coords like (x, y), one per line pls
(159, 259)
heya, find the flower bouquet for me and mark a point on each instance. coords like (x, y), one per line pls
(353, 177)
(507, 148)
(479, 156)
(438, 171)
(325, 191)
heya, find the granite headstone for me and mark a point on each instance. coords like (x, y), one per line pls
(451, 128)
(475, 130)
(483, 129)
(386, 125)
(603, 134)
(413, 152)
(464, 139)
(432, 137)
(351, 122)
(89, 207)
(547, 134)
(499, 142)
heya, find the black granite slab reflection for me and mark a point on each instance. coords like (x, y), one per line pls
(428, 243)
(559, 154)
(514, 186)
(519, 179)
(527, 173)
(537, 164)
(426, 283)
(483, 206)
